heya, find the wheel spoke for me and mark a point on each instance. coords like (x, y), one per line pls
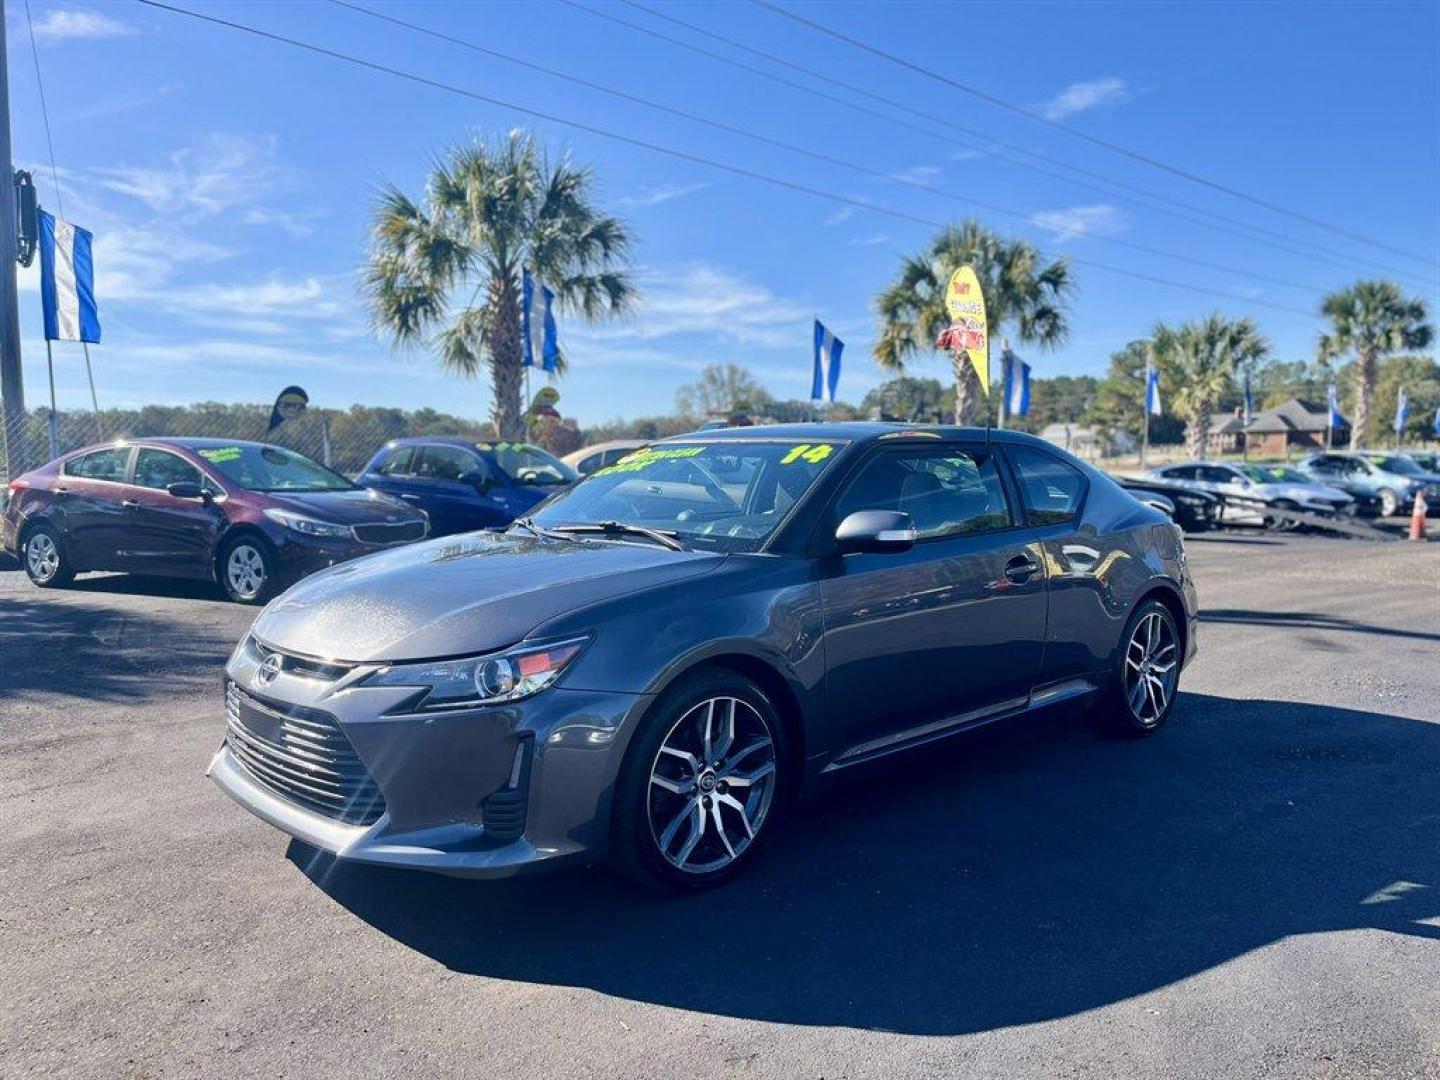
(668, 836)
(709, 725)
(697, 830)
(727, 731)
(685, 756)
(675, 787)
(739, 808)
(720, 828)
(749, 779)
(1137, 696)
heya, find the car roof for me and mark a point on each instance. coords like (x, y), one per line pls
(858, 432)
(471, 443)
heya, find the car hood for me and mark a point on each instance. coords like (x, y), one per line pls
(461, 594)
(362, 506)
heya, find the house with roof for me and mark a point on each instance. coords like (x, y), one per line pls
(1296, 424)
(1225, 433)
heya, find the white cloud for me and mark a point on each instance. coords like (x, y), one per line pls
(63, 24)
(297, 225)
(1078, 221)
(1077, 97)
(839, 217)
(917, 174)
(219, 174)
(699, 299)
(873, 240)
(663, 193)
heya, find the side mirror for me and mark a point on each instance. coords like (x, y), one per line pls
(186, 489)
(875, 531)
(476, 479)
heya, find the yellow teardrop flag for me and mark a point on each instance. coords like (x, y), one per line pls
(965, 304)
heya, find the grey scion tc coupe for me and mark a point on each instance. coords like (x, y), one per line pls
(653, 664)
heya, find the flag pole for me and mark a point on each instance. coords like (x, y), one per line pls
(1004, 383)
(54, 418)
(95, 401)
(1145, 411)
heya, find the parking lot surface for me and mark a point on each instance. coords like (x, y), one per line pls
(1255, 892)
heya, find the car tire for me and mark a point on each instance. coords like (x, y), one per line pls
(43, 555)
(1389, 503)
(1145, 669)
(247, 569)
(661, 798)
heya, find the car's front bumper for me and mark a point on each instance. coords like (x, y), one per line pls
(546, 766)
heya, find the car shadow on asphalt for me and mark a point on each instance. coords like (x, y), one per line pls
(59, 644)
(1308, 620)
(1015, 876)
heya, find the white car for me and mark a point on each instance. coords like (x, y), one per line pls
(1249, 490)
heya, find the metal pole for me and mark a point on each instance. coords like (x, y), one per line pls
(54, 416)
(95, 401)
(1004, 383)
(12, 378)
(1145, 413)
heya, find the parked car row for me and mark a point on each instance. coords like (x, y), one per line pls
(254, 517)
(1330, 484)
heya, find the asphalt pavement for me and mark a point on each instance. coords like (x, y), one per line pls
(1253, 893)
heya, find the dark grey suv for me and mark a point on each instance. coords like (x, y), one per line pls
(657, 661)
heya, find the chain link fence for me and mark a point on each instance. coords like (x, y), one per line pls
(344, 439)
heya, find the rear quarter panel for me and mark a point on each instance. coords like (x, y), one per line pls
(1099, 566)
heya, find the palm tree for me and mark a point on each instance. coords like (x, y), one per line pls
(1199, 360)
(1371, 318)
(490, 210)
(1021, 292)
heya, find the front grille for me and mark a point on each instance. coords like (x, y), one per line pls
(302, 755)
(390, 534)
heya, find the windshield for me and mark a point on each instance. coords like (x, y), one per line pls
(271, 468)
(1400, 465)
(1259, 475)
(729, 494)
(528, 464)
(1274, 474)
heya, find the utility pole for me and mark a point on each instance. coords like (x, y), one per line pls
(12, 382)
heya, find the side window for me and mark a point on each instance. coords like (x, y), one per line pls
(946, 491)
(101, 465)
(159, 469)
(1219, 476)
(1179, 472)
(438, 462)
(1052, 489)
(398, 462)
(590, 463)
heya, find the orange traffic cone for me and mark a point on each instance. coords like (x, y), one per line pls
(1417, 517)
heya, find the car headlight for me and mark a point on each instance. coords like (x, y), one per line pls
(308, 525)
(482, 680)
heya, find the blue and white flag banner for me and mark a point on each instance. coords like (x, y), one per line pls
(1017, 385)
(1152, 392)
(67, 281)
(537, 324)
(1437, 423)
(1335, 420)
(1402, 413)
(1249, 401)
(826, 377)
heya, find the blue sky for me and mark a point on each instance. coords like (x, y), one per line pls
(228, 180)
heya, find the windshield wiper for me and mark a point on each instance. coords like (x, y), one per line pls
(622, 528)
(528, 524)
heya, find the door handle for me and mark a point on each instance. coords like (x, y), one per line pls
(1020, 568)
(412, 498)
(130, 504)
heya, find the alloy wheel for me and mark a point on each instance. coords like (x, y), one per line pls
(42, 557)
(712, 784)
(1151, 668)
(245, 571)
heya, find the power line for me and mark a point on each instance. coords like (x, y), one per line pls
(1113, 147)
(814, 155)
(681, 155)
(44, 111)
(1342, 259)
